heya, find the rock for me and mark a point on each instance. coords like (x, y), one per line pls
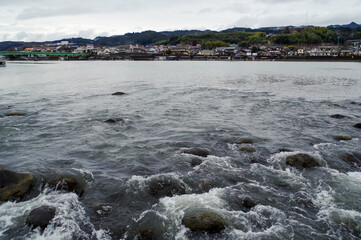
(118, 94)
(204, 220)
(284, 150)
(342, 138)
(67, 183)
(197, 152)
(14, 184)
(150, 226)
(357, 125)
(196, 161)
(114, 120)
(165, 186)
(338, 116)
(302, 160)
(246, 148)
(244, 141)
(15, 114)
(333, 105)
(41, 217)
(350, 158)
(356, 103)
(247, 203)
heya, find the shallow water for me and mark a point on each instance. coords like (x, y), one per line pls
(171, 106)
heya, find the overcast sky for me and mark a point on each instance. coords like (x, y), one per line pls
(39, 20)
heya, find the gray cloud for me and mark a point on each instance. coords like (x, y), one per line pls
(39, 20)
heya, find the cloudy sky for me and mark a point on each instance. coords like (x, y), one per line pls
(39, 20)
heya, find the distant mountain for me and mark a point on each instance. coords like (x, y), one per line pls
(351, 25)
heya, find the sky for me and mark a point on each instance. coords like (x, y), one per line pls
(41, 20)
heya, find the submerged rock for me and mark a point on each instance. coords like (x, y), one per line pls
(342, 138)
(203, 220)
(196, 161)
(357, 125)
(15, 114)
(244, 141)
(302, 160)
(150, 227)
(166, 186)
(41, 217)
(247, 203)
(114, 120)
(197, 152)
(352, 159)
(285, 150)
(67, 183)
(333, 105)
(246, 148)
(14, 184)
(118, 94)
(338, 116)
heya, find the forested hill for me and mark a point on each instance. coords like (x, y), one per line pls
(240, 36)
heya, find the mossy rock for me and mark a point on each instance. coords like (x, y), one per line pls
(15, 114)
(302, 160)
(203, 220)
(246, 148)
(342, 138)
(68, 183)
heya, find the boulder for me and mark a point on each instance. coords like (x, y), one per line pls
(246, 148)
(41, 217)
(302, 160)
(15, 114)
(196, 161)
(357, 125)
(118, 94)
(113, 120)
(196, 152)
(68, 183)
(204, 220)
(14, 184)
(338, 116)
(244, 141)
(342, 138)
(165, 186)
(150, 226)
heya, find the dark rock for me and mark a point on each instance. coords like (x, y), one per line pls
(14, 184)
(114, 120)
(338, 116)
(248, 203)
(284, 150)
(342, 138)
(357, 125)
(302, 160)
(165, 186)
(41, 217)
(356, 103)
(118, 94)
(244, 141)
(246, 148)
(350, 158)
(150, 227)
(197, 152)
(196, 161)
(333, 105)
(67, 183)
(15, 114)
(203, 220)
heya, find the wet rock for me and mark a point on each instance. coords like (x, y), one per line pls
(196, 161)
(41, 217)
(244, 141)
(302, 160)
(338, 116)
(14, 184)
(197, 152)
(102, 209)
(166, 186)
(67, 183)
(352, 159)
(15, 114)
(285, 150)
(356, 103)
(333, 105)
(342, 138)
(114, 120)
(203, 220)
(150, 227)
(118, 94)
(357, 125)
(246, 148)
(248, 203)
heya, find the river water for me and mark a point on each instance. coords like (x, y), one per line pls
(170, 107)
